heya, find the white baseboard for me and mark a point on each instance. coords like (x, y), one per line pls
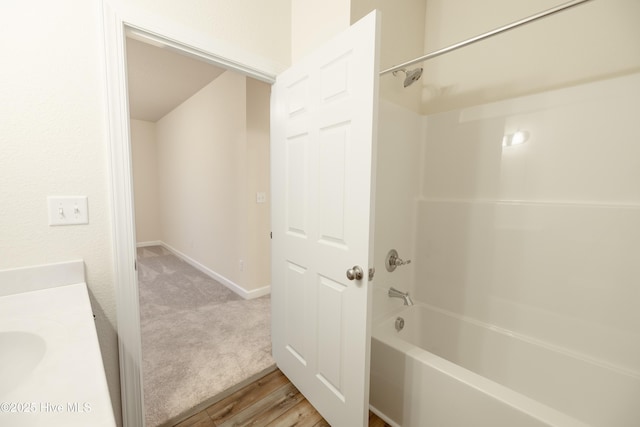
(259, 292)
(239, 290)
(150, 243)
(383, 416)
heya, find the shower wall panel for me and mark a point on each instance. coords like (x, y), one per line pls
(400, 132)
(540, 236)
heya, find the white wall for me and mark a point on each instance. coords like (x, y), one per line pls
(200, 144)
(53, 142)
(402, 39)
(53, 129)
(212, 160)
(144, 158)
(539, 238)
(259, 28)
(313, 23)
(591, 41)
(258, 265)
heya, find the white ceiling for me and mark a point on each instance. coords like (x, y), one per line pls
(160, 79)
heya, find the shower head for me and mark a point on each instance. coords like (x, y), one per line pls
(410, 76)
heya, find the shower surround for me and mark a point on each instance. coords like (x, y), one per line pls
(538, 238)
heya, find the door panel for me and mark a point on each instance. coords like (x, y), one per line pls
(297, 185)
(333, 149)
(323, 139)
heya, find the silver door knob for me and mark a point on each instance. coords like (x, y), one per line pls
(355, 273)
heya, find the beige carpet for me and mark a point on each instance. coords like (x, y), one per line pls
(198, 337)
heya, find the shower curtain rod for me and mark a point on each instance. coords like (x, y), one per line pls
(486, 35)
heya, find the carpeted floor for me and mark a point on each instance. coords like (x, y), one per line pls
(198, 337)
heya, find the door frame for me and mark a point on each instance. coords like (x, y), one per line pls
(117, 21)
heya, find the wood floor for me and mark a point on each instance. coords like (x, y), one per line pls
(270, 401)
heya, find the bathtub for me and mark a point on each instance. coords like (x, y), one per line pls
(444, 370)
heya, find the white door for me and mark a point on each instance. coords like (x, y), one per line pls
(322, 155)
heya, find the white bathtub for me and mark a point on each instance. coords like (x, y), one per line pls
(445, 370)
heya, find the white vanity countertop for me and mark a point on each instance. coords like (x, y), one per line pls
(51, 371)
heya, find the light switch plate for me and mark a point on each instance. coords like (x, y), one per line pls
(261, 197)
(68, 210)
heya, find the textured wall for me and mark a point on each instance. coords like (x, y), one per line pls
(53, 143)
(201, 145)
(589, 42)
(402, 39)
(313, 23)
(261, 28)
(258, 269)
(144, 156)
(202, 176)
(213, 157)
(594, 40)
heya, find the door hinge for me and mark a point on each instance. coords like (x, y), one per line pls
(271, 235)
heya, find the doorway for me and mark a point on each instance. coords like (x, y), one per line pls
(200, 163)
(117, 22)
(124, 228)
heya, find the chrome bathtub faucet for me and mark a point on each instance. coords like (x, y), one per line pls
(393, 260)
(394, 293)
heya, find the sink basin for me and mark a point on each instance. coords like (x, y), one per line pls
(51, 368)
(20, 354)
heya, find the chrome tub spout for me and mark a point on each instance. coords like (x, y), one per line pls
(394, 293)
